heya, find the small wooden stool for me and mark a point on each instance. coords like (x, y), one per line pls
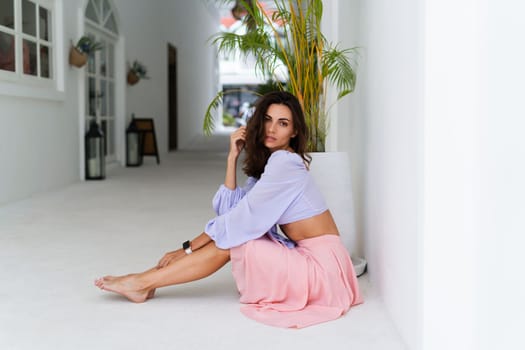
(149, 141)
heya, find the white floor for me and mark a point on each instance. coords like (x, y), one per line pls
(53, 245)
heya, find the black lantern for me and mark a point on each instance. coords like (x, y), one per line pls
(95, 158)
(133, 145)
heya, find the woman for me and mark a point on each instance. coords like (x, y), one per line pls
(296, 280)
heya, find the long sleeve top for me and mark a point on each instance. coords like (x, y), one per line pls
(285, 193)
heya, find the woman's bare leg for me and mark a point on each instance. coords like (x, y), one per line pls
(151, 293)
(138, 287)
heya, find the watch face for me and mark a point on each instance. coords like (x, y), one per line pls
(186, 245)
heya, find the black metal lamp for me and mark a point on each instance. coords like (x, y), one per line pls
(133, 144)
(95, 158)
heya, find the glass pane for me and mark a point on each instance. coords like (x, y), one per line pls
(87, 100)
(104, 127)
(8, 14)
(45, 62)
(30, 57)
(44, 21)
(111, 24)
(92, 62)
(88, 123)
(111, 99)
(90, 12)
(29, 17)
(103, 59)
(111, 137)
(103, 98)
(7, 52)
(92, 93)
(98, 8)
(111, 60)
(94, 166)
(105, 8)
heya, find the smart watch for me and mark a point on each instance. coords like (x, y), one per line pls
(187, 247)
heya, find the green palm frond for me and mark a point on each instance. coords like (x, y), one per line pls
(209, 124)
(338, 69)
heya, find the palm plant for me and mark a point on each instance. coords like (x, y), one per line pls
(291, 37)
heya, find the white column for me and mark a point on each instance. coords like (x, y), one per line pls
(451, 174)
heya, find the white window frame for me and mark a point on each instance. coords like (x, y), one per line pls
(120, 72)
(25, 85)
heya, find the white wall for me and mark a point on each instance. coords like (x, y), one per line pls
(380, 125)
(451, 189)
(188, 25)
(342, 19)
(498, 238)
(38, 149)
(390, 124)
(440, 112)
(501, 302)
(475, 167)
(144, 42)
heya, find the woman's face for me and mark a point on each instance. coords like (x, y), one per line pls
(278, 127)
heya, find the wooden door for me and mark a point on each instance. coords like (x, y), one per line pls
(172, 98)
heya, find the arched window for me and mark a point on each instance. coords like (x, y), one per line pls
(101, 13)
(101, 23)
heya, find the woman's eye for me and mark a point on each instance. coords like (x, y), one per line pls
(284, 124)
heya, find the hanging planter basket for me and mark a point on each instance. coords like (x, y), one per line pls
(133, 78)
(77, 58)
(136, 72)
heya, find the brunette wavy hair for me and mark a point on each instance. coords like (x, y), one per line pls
(257, 153)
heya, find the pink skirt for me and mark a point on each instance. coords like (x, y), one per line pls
(295, 288)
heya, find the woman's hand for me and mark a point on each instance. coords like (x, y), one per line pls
(170, 257)
(237, 140)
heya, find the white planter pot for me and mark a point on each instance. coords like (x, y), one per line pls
(331, 172)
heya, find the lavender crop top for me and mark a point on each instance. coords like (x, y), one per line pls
(285, 193)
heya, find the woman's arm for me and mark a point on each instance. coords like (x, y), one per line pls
(237, 139)
(280, 185)
(200, 241)
(195, 244)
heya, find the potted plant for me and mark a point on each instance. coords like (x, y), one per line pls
(291, 36)
(136, 72)
(78, 54)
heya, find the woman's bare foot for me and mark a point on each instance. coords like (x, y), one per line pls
(151, 294)
(128, 286)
